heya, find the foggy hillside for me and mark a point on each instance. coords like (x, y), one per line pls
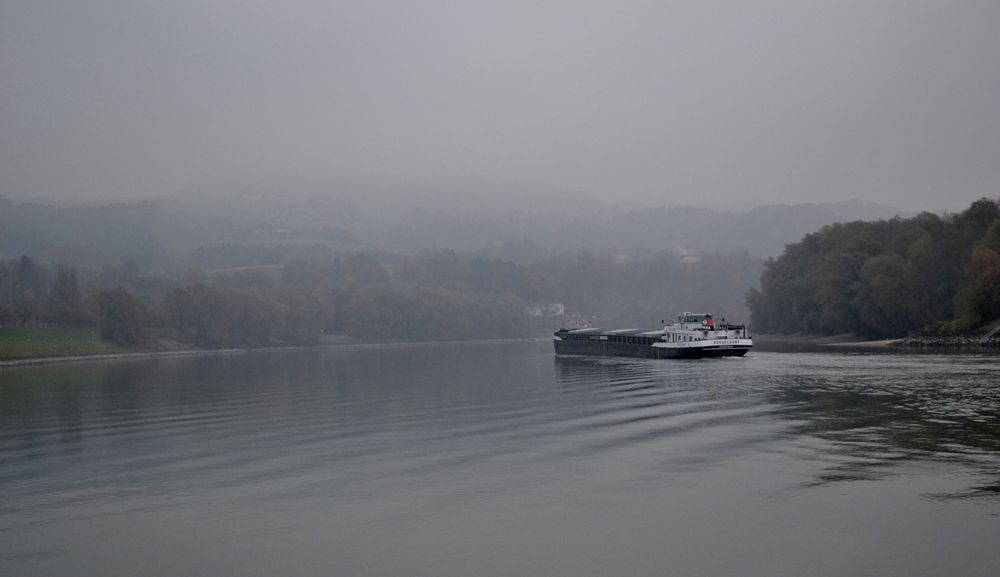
(209, 230)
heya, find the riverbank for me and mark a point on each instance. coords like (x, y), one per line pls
(26, 343)
(116, 356)
(147, 350)
(991, 342)
(22, 346)
(847, 340)
(988, 341)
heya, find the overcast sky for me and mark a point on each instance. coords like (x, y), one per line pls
(707, 103)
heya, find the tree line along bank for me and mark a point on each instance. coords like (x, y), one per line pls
(439, 295)
(889, 278)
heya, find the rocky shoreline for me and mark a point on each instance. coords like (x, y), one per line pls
(990, 341)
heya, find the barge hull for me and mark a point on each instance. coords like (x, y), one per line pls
(606, 349)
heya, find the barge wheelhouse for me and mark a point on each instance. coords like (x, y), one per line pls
(691, 336)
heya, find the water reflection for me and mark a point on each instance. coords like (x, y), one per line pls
(686, 416)
(858, 417)
(872, 414)
(458, 459)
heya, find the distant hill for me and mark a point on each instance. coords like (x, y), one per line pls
(89, 235)
(230, 228)
(762, 232)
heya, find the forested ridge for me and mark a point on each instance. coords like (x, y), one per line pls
(886, 278)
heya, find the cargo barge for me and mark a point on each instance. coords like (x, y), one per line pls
(691, 336)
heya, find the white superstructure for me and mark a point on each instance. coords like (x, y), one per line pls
(700, 330)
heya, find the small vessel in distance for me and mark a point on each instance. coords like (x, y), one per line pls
(692, 336)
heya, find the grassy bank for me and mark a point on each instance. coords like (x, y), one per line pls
(37, 343)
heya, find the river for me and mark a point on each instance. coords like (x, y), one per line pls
(500, 459)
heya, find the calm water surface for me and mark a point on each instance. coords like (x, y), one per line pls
(501, 460)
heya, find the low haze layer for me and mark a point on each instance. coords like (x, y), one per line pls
(715, 104)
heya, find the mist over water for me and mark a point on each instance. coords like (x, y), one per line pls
(501, 459)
